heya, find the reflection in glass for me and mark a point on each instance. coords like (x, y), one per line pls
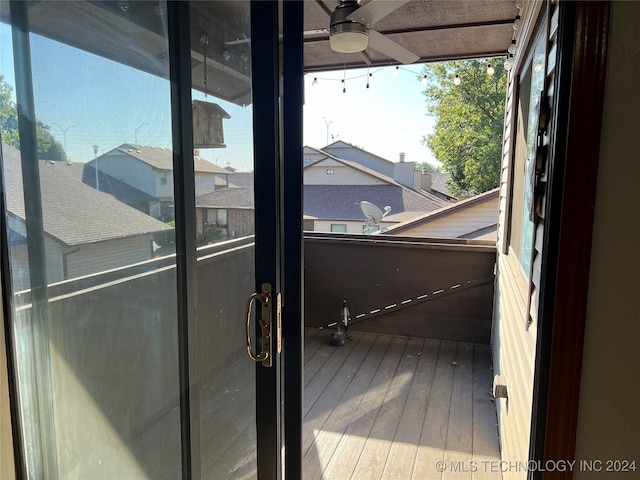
(88, 228)
(225, 223)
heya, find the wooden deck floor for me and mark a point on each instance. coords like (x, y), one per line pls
(392, 407)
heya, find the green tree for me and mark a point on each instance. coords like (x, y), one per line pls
(428, 167)
(48, 147)
(467, 138)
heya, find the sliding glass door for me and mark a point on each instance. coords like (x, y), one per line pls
(143, 254)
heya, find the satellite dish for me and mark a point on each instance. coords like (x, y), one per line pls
(372, 214)
(371, 211)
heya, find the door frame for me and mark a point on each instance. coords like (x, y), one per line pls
(267, 191)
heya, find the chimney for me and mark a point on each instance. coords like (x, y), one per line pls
(401, 157)
(426, 181)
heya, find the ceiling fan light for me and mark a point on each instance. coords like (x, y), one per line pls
(348, 41)
(345, 35)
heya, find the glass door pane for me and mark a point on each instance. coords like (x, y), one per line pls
(225, 229)
(97, 280)
(88, 185)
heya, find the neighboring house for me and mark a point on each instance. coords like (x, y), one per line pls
(402, 172)
(240, 179)
(347, 151)
(127, 194)
(436, 184)
(475, 217)
(334, 187)
(84, 231)
(229, 211)
(150, 170)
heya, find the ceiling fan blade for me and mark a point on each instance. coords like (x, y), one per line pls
(391, 49)
(375, 10)
(319, 32)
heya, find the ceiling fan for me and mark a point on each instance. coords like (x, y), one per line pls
(350, 29)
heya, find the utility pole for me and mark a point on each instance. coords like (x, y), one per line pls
(64, 135)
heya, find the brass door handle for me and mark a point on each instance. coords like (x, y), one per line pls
(264, 297)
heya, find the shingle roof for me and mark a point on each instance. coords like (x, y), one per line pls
(73, 212)
(339, 144)
(227, 198)
(162, 158)
(340, 202)
(439, 183)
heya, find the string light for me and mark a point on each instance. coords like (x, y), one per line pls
(512, 47)
(369, 77)
(517, 23)
(508, 63)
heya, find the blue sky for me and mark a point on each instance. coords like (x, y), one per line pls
(387, 118)
(99, 102)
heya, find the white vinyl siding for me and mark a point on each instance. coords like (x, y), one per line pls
(352, 226)
(364, 158)
(135, 173)
(342, 175)
(107, 255)
(459, 223)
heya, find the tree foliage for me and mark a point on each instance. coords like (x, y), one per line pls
(467, 138)
(428, 167)
(48, 147)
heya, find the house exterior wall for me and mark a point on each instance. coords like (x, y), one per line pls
(207, 182)
(135, 173)
(241, 222)
(107, 255)
(352, 227)
(348, 152)
(608, 414)
(19, 256)
(83, 259)
(342, 175)
(200, 219)
(311, 156)
(459, 223)
(240, 179)
(514, 333)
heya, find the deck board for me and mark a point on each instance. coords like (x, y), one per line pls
(379, 407)
(405, 443)
(410, 403)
